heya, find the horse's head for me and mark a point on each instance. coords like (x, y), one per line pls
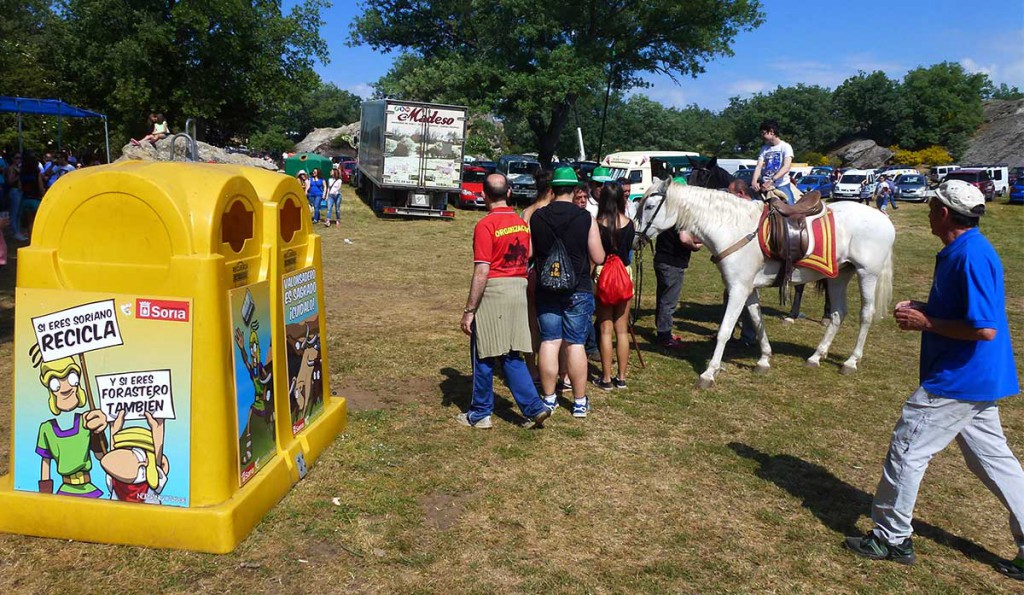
(652, 219)
(710, 175)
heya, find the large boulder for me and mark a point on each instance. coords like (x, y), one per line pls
(999, 138)
(862, 154)
(207, 153)
(320, 141)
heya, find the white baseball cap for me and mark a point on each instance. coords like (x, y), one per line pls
(962, 197)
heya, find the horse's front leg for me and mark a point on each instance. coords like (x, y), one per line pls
(738, 296)
(754, 309)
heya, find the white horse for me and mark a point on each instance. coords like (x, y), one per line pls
(864, 241)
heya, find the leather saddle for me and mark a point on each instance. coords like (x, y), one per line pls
(788, 236)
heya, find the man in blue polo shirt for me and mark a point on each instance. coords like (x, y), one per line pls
(966, 367)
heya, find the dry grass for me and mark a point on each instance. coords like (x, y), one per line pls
(748, 487)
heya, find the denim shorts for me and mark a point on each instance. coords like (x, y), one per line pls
(569, 320)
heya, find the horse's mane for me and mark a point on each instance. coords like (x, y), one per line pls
(700, 209)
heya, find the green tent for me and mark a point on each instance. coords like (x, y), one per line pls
(308, 162)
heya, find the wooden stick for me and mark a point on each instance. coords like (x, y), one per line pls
(97, 442)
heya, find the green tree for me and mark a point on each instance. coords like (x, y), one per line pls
(872, 105)
(535, 59)
(807, 117)
(943, 106)
(223, 62)
(1004, 91)
(28, 29)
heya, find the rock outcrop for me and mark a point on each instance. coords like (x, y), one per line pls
(862, 154)
(1001, 138)
(207, 153)
(320, 141)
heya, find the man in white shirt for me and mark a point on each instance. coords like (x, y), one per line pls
(773, 162)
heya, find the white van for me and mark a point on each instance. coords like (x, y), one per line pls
(635, 166)
(734, 165)
(848, 186)
(1000, 175)
(938, 172)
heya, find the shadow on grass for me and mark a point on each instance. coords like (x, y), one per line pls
(457, 390)
(838, 504)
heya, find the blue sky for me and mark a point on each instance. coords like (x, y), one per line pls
(800, 42)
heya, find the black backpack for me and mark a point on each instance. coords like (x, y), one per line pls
(556, 274)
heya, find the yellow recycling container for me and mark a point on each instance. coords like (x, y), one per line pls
(310, 418)
(146, 389)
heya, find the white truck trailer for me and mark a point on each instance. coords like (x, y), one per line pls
(410, 156)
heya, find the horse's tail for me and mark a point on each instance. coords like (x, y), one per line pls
(883, 288)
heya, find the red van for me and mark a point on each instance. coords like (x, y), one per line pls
(977, 177)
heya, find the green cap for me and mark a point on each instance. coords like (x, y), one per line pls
(601, 175)
(679, 180)
(564, 176)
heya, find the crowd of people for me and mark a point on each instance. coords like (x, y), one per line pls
(514, 309)
(26, 179)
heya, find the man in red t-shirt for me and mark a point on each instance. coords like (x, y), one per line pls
(496, 316)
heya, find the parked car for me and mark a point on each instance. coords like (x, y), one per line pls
(978, 177)
(347, 169)
(911, 187)
(1017, 190)
(821, 183)
(472, 193)
(1015, 174)
(519, 170)
(747, 175)
(849, 186)
(488, 166)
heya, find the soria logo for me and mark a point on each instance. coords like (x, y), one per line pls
(173, 311)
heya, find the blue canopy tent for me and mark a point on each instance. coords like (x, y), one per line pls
(50, 107)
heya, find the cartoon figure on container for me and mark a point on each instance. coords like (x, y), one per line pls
(305, 388)
(67, 447)
(136, 465)
(261, 375)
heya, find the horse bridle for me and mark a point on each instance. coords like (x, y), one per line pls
(638, 259)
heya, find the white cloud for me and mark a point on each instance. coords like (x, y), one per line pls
(748, 86)
(363, 90)
(669, 95)
(973, 67)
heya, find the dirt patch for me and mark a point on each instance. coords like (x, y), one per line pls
(442, 511)
(364, 399)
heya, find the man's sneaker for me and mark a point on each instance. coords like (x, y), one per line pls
(537, 420)
(484, 423)
(618, 382)
(1012, 568)
(601, 384)
(581, 407)
(563, 385)
(550, 402)
(871, 546)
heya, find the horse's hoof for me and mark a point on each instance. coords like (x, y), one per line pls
(703, 383)
(787, 320)
(762, 369)
(846, 370)
(811, 364)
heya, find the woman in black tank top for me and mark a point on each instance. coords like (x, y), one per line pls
(617, 232)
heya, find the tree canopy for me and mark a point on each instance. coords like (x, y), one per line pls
(533, 59)
(233, 66)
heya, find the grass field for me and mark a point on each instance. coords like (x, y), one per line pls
(747, 487)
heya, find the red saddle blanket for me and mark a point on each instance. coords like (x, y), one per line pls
(821, 243)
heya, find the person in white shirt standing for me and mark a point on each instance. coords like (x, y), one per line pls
(773, 162)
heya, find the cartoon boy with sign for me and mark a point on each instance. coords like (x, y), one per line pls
(136, 465)
(68, 448)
